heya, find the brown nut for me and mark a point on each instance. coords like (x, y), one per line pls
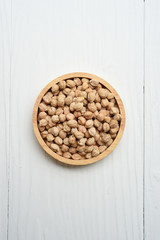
(76, 156)
(66, 91)
(66, 141)
(47, 99)
(62, 134)
(109, 142)
(91, 96)
(98, 106)
(43, 107)
(84, 85)
(66, 110)
(117, 117)
(62, 85)
(107, 119)
(114, 110)
(114, 130)
(55, 88)
(66, 155)
(113, 123)
(82, 141)
(66, 128)
(106, 137)
(104, 102)
(70, 83)
(102, 148)
(106, 127)
(68, 100)
(81, 148)
(92, 131)
(78, 106)
(58, 140)
(43, 123)
(88, 155)
(72, 150)
(103, 93)
(88, 115)
(90, 141)
(44, 134)
(92, 107)
(42, 115)
(78, 135)
(55, 147)
(71, 139)
(55, 118)
(89, 124)
(64, 148)
(100, 117)
(77, 81)
(62, 117)
(72, 123)
(94, 82)
(50, 138)
(70, 116)
(54, 131)
(51, 111)
(54, 102)
(81, 120)
(81, 128)
(61, 100)
(95, 152)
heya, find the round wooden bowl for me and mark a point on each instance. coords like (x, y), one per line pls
(82, 161)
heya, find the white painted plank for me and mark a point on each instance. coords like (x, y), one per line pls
(5, 137)
(101, 201)
(152, 129)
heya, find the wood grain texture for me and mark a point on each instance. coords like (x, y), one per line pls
(83, 161)
(5, 98)
(152, 119)
(48, 200)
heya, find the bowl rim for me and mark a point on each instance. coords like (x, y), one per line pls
(82, 161)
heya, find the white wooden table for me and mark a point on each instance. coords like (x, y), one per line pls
(117, 198)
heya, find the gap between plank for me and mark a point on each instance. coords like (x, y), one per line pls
(144, 122)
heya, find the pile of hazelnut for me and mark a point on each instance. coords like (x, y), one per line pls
(78, 118)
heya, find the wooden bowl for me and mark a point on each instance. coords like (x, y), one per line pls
(83, 161)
